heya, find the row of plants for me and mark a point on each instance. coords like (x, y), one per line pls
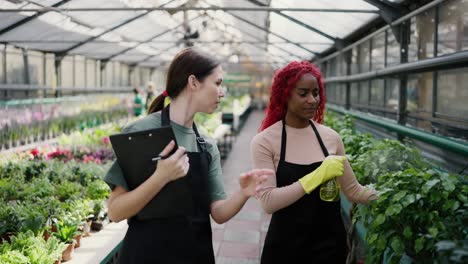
(51, 198)
(422, 210)
(235, 104)
(27, 111)
(19, 134)
(54, 192)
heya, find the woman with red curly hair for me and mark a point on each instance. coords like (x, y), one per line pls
(305, 154)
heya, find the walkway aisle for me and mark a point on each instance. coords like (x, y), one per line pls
(239, 241)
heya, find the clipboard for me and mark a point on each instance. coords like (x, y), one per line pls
(134, 152)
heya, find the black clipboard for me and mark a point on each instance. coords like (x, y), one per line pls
(134, 152)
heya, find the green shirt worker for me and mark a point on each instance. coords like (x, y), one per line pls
(138, 107)
(193, 84)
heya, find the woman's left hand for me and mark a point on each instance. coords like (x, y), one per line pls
(249, 181)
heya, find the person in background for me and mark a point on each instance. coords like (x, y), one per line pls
(305, 154)
(137, 103)
(193, 85)
(150, 90)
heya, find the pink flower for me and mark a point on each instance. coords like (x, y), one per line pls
(105, 141)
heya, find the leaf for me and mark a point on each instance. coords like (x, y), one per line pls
(372, 238)
(419, 244)
(409, 199)
(448, 185)
(382, 160)
(381, 243)
(448, 205)
(445, 245)
(407, 232)
(399, 195)
(397, 245)
(393, 210)
(429, 184)
(433, 231)
(380, 219)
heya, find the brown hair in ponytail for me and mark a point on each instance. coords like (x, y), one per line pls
(187, 62)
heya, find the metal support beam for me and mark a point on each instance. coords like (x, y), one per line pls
(337, 41)
(389, 13)
(185, 8)
(159, 53)
(274, 34)
(58, 73)
(257, 45)
(102, 72)
(458, 59)
(403, 94)
(6, 41)
(40, 11)
(439, 141)
(79, 44)
(256, 37)
(268, 31)
(435, 78)
(147, 40)
(347, 57)
(27, 75)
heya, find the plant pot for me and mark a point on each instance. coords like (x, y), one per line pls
(67, 253)
(87, 228)
(58, 261)
(77, 238)
(6, 237)
(46, 235)
(97, 226)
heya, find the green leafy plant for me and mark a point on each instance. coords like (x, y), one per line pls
(13, 257)
(97, 190)
(413, 214)
(421, 213)
(38, 188)
(26, 247)
(67, 190)
(34, 169)
(386, 155)
(65, 232)
(9, 218)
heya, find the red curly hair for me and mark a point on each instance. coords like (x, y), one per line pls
(283, 82)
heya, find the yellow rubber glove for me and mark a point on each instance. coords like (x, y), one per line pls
(331, 167)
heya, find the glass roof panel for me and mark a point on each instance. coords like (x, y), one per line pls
(103, 19)
(9, 18)
(99, 50)
(218, 31)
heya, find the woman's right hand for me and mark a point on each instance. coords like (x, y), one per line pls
(175, 166)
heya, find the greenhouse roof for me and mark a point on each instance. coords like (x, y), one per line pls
(151, 32)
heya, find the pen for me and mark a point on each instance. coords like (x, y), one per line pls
(159, 157)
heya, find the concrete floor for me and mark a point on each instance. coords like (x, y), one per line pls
(240, 240)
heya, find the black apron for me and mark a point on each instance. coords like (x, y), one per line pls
(176, 240)
(309, 230)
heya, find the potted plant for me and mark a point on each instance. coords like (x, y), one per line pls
(98, 215)
(65, 233)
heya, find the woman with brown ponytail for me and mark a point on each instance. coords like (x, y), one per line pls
(193, 85)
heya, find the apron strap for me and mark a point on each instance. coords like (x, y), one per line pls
(165, 121)
(324, 149)
(283, 140)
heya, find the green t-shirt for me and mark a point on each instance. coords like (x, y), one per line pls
(138, 101)
(186, 138)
